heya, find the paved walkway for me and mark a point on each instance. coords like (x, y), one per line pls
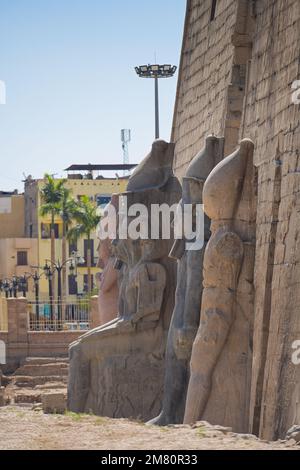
(22, 427)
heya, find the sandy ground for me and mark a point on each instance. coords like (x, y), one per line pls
(25, 428)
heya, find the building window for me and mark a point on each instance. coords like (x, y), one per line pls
(213, 10)
(85, 282)
(86, 244)
(72, 248)
(22, 258)
(73, 288)
(46, 231)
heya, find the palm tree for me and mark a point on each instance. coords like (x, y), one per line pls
(67, 208)
(87, 220)
(51, 194)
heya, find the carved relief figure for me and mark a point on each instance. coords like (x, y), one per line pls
(219, 385)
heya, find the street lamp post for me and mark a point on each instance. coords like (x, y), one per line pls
(49, 275)
(14, 286)
(23, 285)
(5, 287)
(156, 71)
(49, 270)
(11, 286)
(36, 280)
(156, 108)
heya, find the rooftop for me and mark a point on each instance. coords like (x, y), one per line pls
(8, 193)
(108, 167)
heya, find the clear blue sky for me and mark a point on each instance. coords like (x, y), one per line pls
(68, 66)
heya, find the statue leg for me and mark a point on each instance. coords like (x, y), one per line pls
(174, 397)
(216, 319)
(181, 336)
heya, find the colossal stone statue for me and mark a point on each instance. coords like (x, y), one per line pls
(117, 369)
(186, 314)
(219, 386)
(108, 278)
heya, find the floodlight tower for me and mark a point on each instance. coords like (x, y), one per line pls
(125, 138)
(156, 71)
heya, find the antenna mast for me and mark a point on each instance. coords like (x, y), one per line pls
(125, 138)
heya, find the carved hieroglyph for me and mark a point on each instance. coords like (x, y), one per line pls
(117, 370)
(186, 314)
(219, 386)
(108, 278)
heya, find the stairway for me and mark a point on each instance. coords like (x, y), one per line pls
(35, 377)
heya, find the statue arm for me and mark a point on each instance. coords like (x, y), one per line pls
(150, 291)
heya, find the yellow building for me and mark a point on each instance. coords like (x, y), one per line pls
(16, 256)
(81, 180)
(11, 215)
(17, 253)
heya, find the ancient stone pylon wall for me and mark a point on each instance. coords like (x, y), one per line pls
(235, 80)
(212, 77)
(273, 122)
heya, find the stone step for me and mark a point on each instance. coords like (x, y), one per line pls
(31, 382)
(35, 396)
(28, 396)
(45, 360)
(38, 376)
(34, 370)
(52, 386)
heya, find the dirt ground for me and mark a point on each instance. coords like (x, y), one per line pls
(26, 428)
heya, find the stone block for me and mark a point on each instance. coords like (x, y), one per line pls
(55, 402)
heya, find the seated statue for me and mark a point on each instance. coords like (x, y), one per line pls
(186, 314)
(117, 369)
(220, 369)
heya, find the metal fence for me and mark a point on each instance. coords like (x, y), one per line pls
(59, 316)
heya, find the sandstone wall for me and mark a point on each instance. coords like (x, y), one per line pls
(235, 80)
(273, 122)
(212, 77)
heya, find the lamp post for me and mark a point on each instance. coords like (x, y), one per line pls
(156, 71)
(49, 271)
(49, 276)
(11, 286)
(5, 287)
(22, 282)
(14, 286)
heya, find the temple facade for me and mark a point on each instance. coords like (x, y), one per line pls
(238, 79)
